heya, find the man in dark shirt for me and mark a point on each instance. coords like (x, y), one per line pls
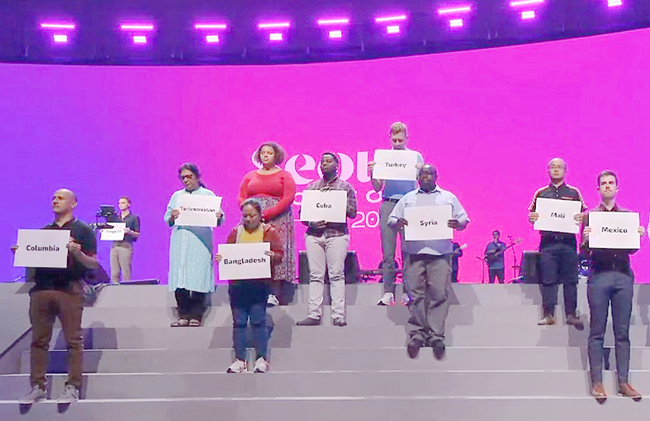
(58, 292)
(494, 257)
(327, 245)
(122, 251)
(611, 281)
(558, 256)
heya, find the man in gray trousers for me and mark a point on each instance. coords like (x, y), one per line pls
(428, 272)
(391, 192)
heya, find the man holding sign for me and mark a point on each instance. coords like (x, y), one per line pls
(122, 250)
(59, 293)
(611, 281)
(428, 275)
(248, 296)
(327, 246)
(559, 259)
(391, 192)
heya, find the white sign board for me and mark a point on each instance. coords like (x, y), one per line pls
(395, 165)
(614, 230)
(42, 249)
(556, 215)
(113, 234)
(244, 261)
(328, 206)
(198, 211)
(428, 223)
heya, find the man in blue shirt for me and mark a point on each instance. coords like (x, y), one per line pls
(392, 192)
(428, 275)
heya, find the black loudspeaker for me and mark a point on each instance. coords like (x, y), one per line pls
(530, 267)
(351, 268)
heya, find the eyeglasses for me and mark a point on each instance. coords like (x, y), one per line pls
(186, 177)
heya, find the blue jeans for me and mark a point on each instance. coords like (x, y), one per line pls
(618, 289)
(248, 303)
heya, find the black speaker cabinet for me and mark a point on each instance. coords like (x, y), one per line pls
(530, 267)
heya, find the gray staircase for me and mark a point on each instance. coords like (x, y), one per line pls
(499, 365)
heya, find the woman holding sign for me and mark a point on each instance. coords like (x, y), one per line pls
(248, 296)
(191, 271)
(275, 189)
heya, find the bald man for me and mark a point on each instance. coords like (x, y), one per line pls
(559, 258)
(59, 293)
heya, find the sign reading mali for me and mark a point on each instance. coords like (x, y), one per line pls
(244, 261)
(328, 206)
(395, 165)
(557, 215)
(614, 230)
(198, 211)
(42, 249)
(428, 223)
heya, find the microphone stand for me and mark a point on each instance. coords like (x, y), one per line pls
(483, 263)
(515, 278)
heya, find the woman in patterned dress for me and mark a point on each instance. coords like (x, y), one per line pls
(275, 189)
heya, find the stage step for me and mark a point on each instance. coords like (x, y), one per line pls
(120, 296)
(217, 383)
(338, 359)
(286, 335)
(418, 407)
(370, 316)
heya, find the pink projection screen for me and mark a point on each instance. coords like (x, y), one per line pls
(490, 120)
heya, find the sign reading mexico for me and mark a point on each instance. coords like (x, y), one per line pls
(113, 234)
(395, 165)
(614, 230)
(557, 215)
(198, 211)
(428, 223)
(328, 206)
(42, 249)
(244, 261)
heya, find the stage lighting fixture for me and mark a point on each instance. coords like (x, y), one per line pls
(455, 12)
(334, 26)
(60, 30)
(138, 32)
(390, 22)
(212, 31)
(528, 7)
(614, 3)
(275, 30)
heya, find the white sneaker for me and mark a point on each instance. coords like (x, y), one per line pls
(272, 301)
(35, 395)
(238, 366)
(261, 365)
(69, 395)
(387, 300)
(405, 299)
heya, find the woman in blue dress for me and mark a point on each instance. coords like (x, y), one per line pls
(191, 269)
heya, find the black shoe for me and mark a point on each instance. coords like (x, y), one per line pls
(339, 322)
(438, 349)
(413, 348)
(575, 321)
(308, 322)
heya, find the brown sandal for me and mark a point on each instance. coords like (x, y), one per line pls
(195, 323)
(180, 323)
